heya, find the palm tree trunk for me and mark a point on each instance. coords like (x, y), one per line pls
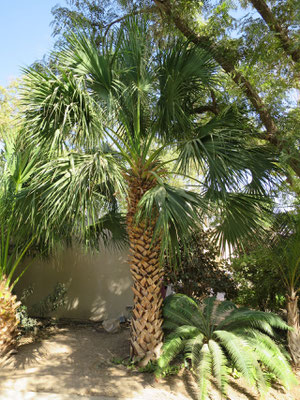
(8, 320)
(147, 274)
(293, 321)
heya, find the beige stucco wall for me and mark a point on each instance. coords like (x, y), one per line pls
(99, 285)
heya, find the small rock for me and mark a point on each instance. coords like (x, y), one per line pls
(111, 325)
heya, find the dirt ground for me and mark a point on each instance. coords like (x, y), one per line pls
(77, 359)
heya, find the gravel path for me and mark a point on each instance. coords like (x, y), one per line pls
(71, 361)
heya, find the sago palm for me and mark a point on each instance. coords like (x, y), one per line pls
(217, 335)
(106, 116)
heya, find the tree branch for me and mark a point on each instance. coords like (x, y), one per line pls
(206, 108)
(206, 42)
(269, 18)
(132, 13)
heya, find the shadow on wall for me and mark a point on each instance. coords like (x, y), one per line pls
(99, 284)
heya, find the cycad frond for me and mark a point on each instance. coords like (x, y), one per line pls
(219, 365)
(185, 332)
(240, 353)
(193, 349)
(271, 355)
(171, 348)
(175, 342)
(217, 311)
(182, 310)
(203, 370)
(253, 319)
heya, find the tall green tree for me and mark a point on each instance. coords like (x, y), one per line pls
(105, 117)
(276, 262)
(258, 51)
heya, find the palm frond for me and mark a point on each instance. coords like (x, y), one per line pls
(70, 193)
(82, 55)
(109, 229)
(184, 70)
(242, 216)
(228, 161)
(59, 111)
(179, 211)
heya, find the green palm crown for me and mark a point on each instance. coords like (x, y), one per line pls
(107, 113)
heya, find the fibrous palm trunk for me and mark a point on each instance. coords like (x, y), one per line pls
(147, 274)
(293, 321)
(8, 320)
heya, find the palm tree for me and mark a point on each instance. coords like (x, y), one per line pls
(284, 251)
(277, 259)
(217, 335)
(17, 168)
(105, 117)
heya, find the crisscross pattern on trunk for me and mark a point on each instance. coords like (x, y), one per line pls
(8, 320)
(146, 330)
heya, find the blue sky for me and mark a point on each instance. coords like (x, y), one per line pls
(25, 34)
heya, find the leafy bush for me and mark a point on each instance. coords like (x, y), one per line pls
(199, 270)
(26, 323)
(218, 335)
(259, 281)
(51, 302)
(267, 271)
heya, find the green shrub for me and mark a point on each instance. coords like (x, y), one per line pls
(259, 281)
(199, 271)
(54, 300)
(217, 335)
(27, 323)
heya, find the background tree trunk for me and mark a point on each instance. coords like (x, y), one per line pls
(147, 274)
(293, 321)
